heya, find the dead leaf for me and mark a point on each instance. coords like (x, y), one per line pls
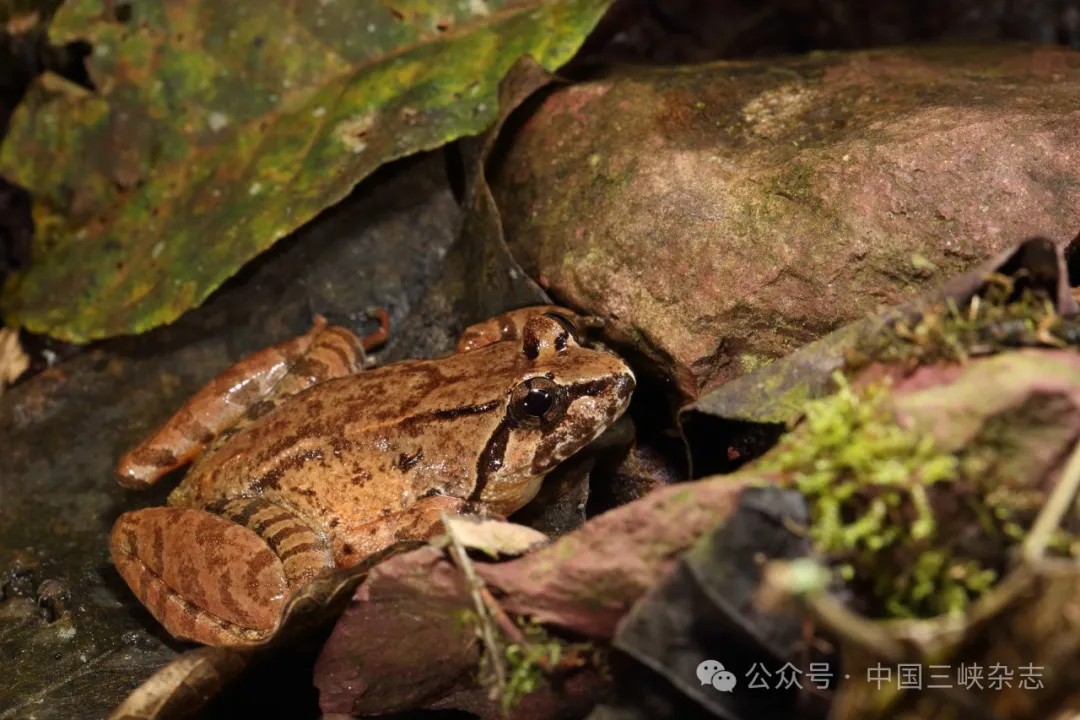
(13, 361)
(706, 610)
(493, 537)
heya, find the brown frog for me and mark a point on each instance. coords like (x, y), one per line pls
(302, 464)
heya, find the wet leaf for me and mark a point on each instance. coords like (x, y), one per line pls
(706, 610)
(217, 129)
(399, 645)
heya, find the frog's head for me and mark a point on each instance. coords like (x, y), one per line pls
(564, 396)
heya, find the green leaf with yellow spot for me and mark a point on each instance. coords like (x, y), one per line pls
(216, 128)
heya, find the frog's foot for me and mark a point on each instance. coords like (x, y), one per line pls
(510, 325)
(377, 337)
(207, 578)
(420, 521)
(248, 390)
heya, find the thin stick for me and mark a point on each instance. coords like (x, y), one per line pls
(1053, 512)
(476, 588)
(501, 619)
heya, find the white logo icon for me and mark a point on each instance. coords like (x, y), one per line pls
(712, 672)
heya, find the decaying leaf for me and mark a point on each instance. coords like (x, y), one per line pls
(706, 610)
(493, 537)
(399, 644)
(214, 130)
(13, 361)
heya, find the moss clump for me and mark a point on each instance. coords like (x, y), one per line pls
(526, 665)
(893, 514)
(1004, 316)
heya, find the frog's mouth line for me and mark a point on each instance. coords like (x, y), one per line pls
(493, 454)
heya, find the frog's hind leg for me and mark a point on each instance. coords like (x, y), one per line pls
(245, 392)
(304, 553)
(211, 578)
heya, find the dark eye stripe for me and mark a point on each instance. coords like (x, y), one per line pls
(491, 458)
(590, 388)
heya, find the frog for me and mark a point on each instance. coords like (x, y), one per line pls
(304, 460)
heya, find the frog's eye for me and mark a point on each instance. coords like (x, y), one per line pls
(537, 402)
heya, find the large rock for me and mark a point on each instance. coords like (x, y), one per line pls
(729, 213)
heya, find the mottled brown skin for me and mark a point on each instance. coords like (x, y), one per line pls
(331, 466)
(259, 378)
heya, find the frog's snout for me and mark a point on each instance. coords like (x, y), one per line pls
(624, 390)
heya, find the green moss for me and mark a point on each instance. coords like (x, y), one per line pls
(526, 670)
(1003, 317)
(749, 362)
(527, 666)
(918, 531)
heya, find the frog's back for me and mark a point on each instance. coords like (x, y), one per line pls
(379, 438)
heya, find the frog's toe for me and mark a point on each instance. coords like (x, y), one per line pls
(203, 577)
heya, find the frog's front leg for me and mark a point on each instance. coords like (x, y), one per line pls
(420, 521)
(219, 576)
(246, 391)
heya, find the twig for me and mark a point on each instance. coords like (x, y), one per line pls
(1053, 512)
(501, 619)
(476, 590)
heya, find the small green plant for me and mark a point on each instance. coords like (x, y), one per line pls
(527, 664)
(892, 513)
(997, 319)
